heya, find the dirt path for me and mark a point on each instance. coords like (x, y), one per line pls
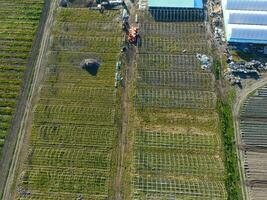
(125, 121)
(240, 99)
(126, 104)
(123, 143)
(28, 109)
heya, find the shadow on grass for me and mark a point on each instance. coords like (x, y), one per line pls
(92, 70)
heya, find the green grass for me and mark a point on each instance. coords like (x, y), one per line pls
(73, 139)
(232, 178)
(19, 21)
(217, 67)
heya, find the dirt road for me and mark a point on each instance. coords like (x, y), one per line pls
(7, 194)
(240, 99)
(123, 143)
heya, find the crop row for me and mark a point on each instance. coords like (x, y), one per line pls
(84, 94)
(253, 108)
(69, 157)
(92, 27)
(70, 74)
(197, 27)
(35, 195)
(84, 44)
(254, 132)
(184, 142)
(189, 121)
(78, 136)
(19, 21)
(177, 164)
(156, 187)
(253, 115)
(183, 31)
(71, 179)
(255, 166)
(83, 16)
(179, 80)
(71, 114)
(173, 45)
(75, 57)
(168, 62)
(174, 98)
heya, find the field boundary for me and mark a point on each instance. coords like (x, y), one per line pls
(10, 153)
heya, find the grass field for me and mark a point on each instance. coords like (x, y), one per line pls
(73, 138)
(177, 145)
(174, 147)
(19, 21)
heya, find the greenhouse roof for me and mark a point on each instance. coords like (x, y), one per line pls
(247, 34)
(245, 21)
(246, 5)
(247, 17)
(176, 3)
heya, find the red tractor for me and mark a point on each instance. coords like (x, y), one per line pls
(133, 35)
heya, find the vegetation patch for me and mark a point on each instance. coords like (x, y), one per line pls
(19, 21)
(177, 148)
(72, 152)
(232, 179)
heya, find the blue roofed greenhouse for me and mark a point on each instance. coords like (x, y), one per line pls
(173, 10)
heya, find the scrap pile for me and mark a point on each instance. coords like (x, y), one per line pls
(216, 16)
(236, 70)
(253, 66)
(205, 61)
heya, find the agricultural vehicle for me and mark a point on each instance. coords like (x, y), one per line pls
(133, 36)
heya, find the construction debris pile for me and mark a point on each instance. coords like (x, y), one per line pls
(232, 78)
(216, 16)
(219, 35)
(205, 61)
(248, 67)
(236, 70)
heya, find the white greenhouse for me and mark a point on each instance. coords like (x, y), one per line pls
(245, 21)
